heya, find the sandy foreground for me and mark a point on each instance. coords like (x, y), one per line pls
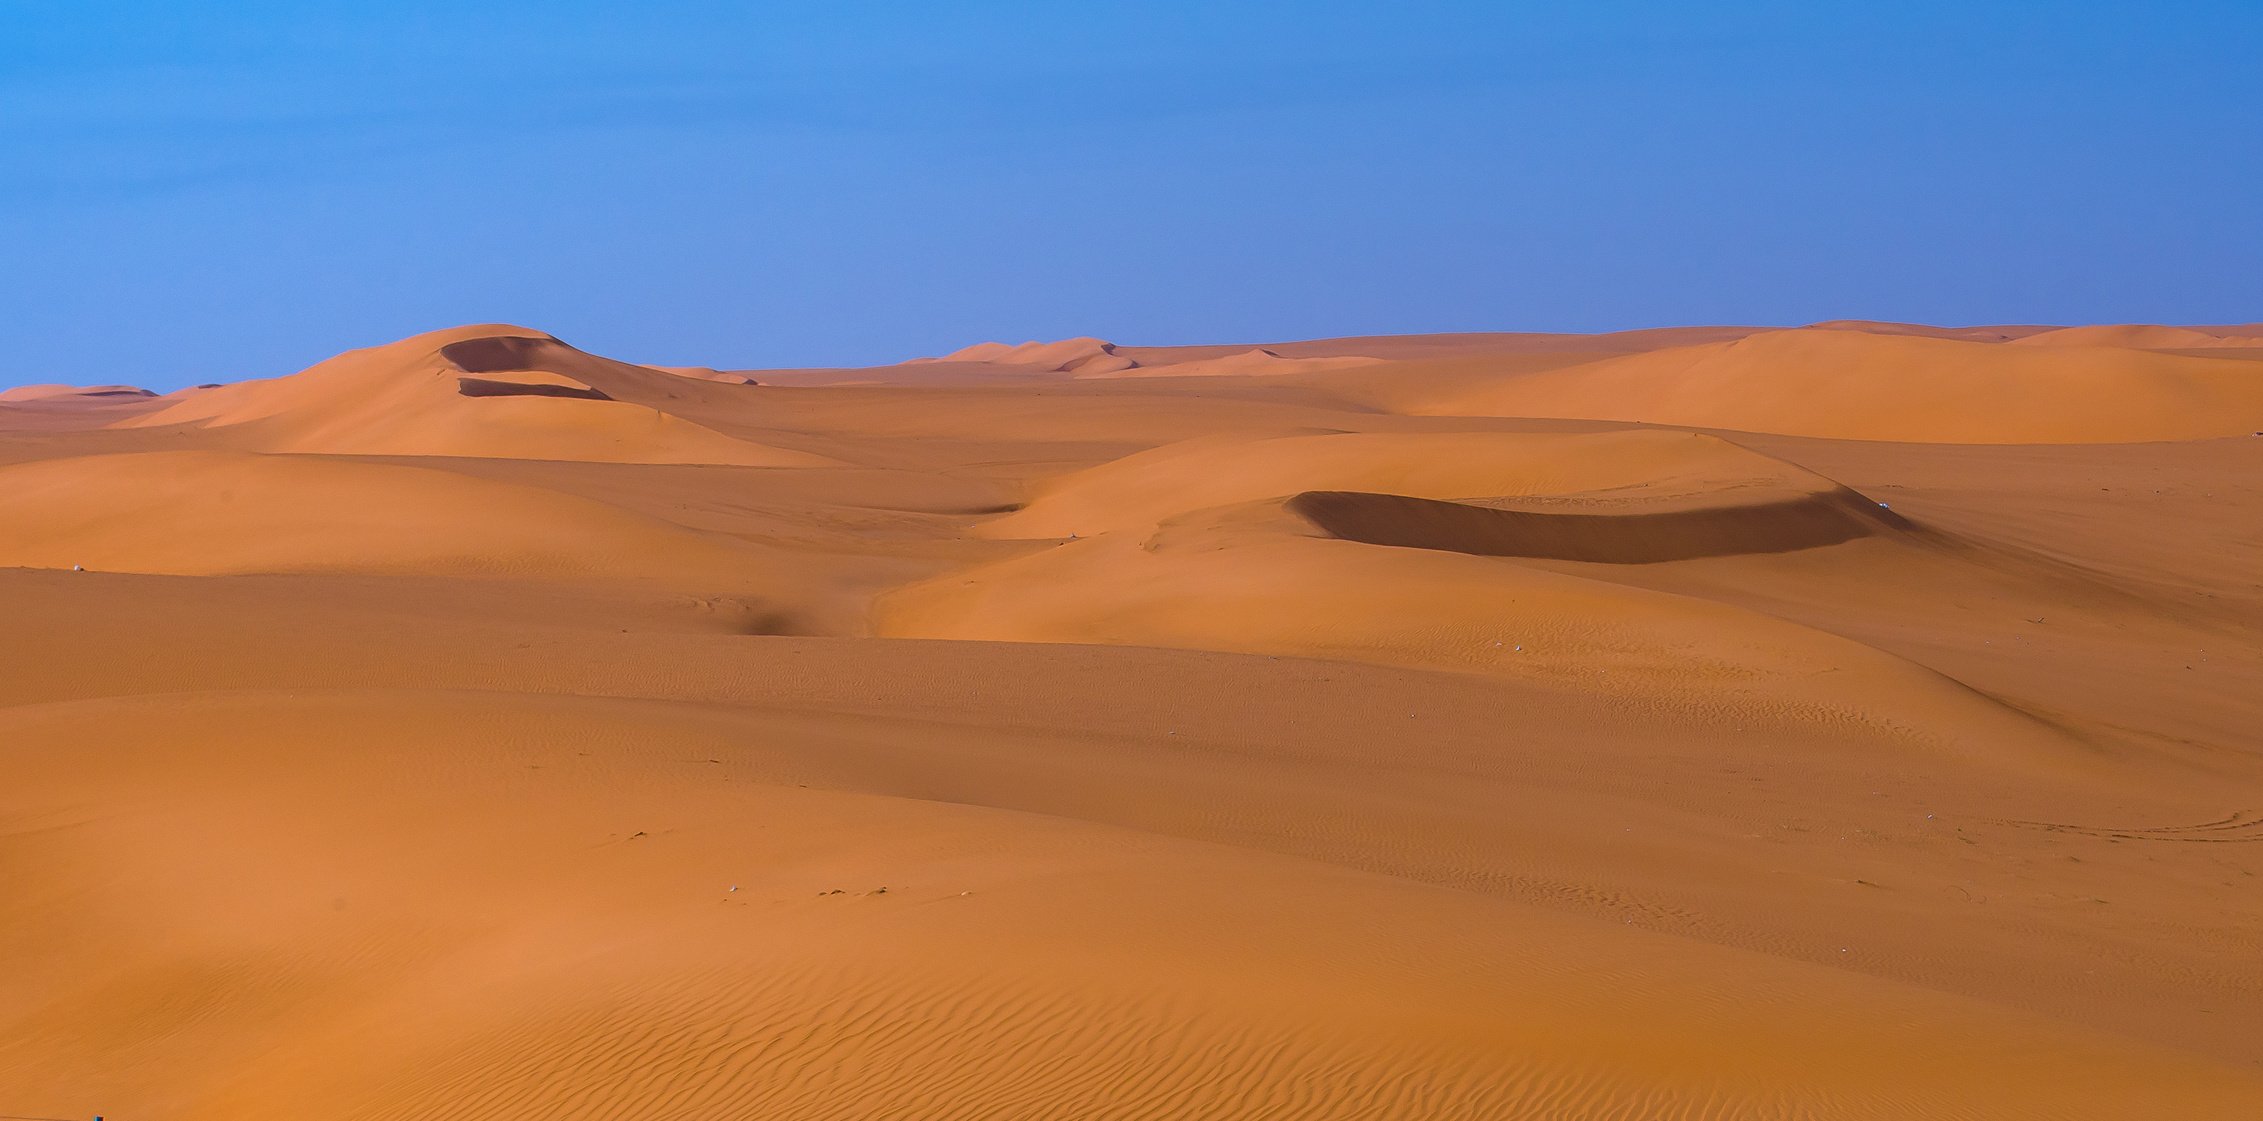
(1855, 721)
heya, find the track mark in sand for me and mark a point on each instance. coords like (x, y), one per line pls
(2238, 828)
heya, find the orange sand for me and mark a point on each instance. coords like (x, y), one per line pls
(1437, 727)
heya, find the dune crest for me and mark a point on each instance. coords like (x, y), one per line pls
(1143, 490)
(707, 373)
(1090, 358)
(1860, 386)
(1255, 363)
(85, 393)
(1085, 357)
(1921, 330)
(413, 397)
(2143, 336)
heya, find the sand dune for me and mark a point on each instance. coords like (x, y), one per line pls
(646, 935)
(410, 398)
(90, 394)
(1967, 334)
(200, 513)
(1209, 545)
(1143, 490)
(708, 373)
(1861, 386)
(2143, 336)
(1256, 585)
(1420, 348)
(1255, 363)
(1085, 357)
(474, 727)
(67, 407)
(1096, 358)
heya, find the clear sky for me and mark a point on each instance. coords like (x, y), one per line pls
(194, 192)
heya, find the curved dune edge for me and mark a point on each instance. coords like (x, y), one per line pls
(588, 956)
(409, 398)
(1142, 490)
(205, 513)
(1197, 546)
(1855, 385)
(1804, 521)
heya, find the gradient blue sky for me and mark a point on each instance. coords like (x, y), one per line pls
(207, 192)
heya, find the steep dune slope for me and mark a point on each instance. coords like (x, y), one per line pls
(1860, 386)
(522, 395)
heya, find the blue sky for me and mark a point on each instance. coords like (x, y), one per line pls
(207, 192)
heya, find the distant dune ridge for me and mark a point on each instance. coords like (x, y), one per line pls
(1095, 358)
(202, 513)
(412, 398)
(1084, 356)
(73, 393)
(2147, 337)
(1872, 386)
(1852, 721)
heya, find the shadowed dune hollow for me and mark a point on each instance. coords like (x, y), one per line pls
(1802, 522)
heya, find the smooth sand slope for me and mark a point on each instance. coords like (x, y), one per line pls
(74, 394)
(1868, 386)
(26, 408)
(2146, 336)
(477, 728)
(205, 513)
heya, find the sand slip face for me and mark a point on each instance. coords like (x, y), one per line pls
(1230, 746)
